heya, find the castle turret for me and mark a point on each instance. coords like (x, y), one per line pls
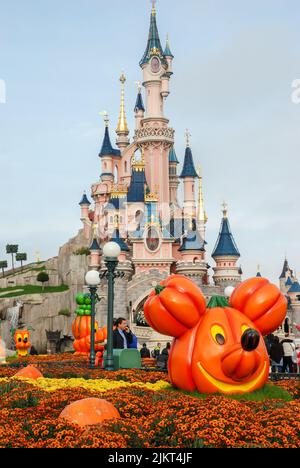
(139, 109)
(201, 213)
(189, 176)
(226, 254)
(169, 56)
(122, 129)
(285, 274)
(109, 156)
(173, 177)
(95, 252)
(85, 206)
(192, 249)
(258, 275)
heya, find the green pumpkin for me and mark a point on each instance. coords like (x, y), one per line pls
(80, 299)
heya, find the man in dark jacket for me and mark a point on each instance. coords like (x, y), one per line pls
(276, 355)
(122, 338)
(145, 352)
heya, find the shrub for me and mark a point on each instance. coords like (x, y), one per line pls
(42, 277)
(82, 251)
(65, 312)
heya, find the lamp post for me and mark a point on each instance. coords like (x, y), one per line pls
(92, 279)
(111, 252)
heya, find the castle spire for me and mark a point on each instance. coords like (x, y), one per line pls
(153, 45)
(201, 215)
(122, 124)
(225, 245)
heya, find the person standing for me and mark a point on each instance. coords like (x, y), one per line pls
(276, 355)
(156, 351)
(288, 352)
(122, 338)
(145, 353)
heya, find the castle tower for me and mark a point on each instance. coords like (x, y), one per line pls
(286, 277)
(139, 109)
(226, 255)
(154, 135)
(85, 206)
(294, 295)
(258, 275)
(169, 56)
(122, 129)
(192, 250)
(189, 176)
(110, 157)
(173, 177)
(201, 213)
(95, 252)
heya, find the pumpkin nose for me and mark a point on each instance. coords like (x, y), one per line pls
(250, 339)
(239, 364)
(25, 340)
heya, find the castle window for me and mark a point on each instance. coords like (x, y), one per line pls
(125, 166)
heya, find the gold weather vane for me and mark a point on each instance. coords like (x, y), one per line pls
(225, 209)
(104, 114)
(187, 138)
(122, 124)
(153, 7)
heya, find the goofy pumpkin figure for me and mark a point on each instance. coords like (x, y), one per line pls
(22, 342)
(218, 348)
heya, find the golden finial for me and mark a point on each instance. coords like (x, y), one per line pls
(95, 230)
(139, 86)
(104, 114)
(187, 138)
(225, 210)
(202, 217)
(153, 7)
(122, 124)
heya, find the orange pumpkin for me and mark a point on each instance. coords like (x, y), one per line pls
(22, 342)
(89, 412)
(223, 350)
(83, 345)
(81, 326)
(262, 302)
(29, 372)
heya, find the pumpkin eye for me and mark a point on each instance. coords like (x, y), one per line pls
(244, 328)
(218, 334)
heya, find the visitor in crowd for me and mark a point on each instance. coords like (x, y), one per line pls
(276, 355)
(156, 351)
(134, 343)
(289, 348)
(162, 361)
(33, 351)
(114, 324)
(122, 336)
(145, 352)
(295, 360)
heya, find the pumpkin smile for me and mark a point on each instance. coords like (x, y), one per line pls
(230, 388)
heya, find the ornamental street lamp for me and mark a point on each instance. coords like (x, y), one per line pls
(111, 252)
(92, 279)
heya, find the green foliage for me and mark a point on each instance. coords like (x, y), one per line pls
(42, 277)
(3, 264)
(21, 257)
(82, 251)
(28, 402)
(65, 312)
(268, 392)
(17, 291)
(12, 249)
(8, 387)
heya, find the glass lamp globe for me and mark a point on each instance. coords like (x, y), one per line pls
(228, 291)
(92, 278)
(111, 250)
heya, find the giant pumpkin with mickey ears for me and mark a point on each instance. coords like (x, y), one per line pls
(218, 348)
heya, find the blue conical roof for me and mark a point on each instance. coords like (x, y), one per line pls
(84, 200)
(116, 238)
(136, 191)
(192, 241)
(188, 165)
(167, 52)
(153, 42)
(95, 245)
(172, 156)
(225, 244)
(289, 282)
(295, 288)
(258, 275)
(107, 148)
(139, 105)
(284, 269)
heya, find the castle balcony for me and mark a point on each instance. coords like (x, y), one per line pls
(154, 135)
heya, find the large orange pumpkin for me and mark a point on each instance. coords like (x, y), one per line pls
(81, 326)
(83, 345)
(218, 348)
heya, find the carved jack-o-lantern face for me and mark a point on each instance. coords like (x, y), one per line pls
(229, 353)
(22, 342)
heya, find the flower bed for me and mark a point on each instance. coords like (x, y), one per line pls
(151, 415)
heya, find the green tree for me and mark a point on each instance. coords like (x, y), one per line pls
(3, 264)
(42, 277)
(21, 257)
(12, 249)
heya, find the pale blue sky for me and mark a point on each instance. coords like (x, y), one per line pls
(234, 65)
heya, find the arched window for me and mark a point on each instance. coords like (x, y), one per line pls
(105, 166)
(116, 174)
